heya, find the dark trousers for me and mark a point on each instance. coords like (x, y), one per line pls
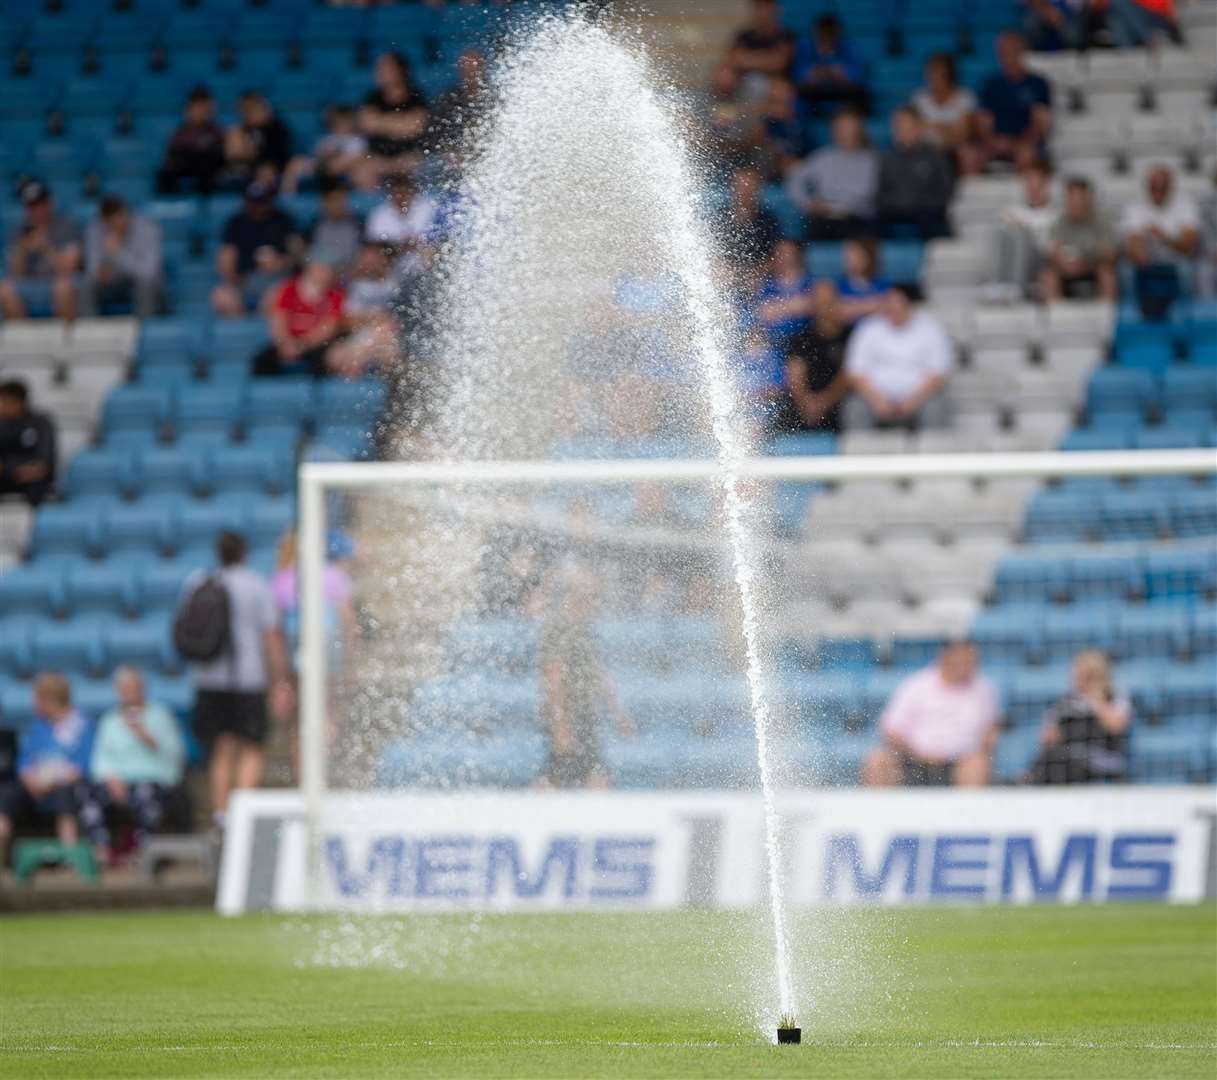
(145, 801)
(836, 228)
(925, 224)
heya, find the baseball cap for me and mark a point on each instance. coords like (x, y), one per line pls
(33, 191)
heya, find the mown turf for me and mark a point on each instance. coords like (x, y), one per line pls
(996, 992)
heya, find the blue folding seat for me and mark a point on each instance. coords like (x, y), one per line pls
(820, 701)
(1170, 754)
(1125, 421)
(1069, 630)
(1010, 633)
(168, 469)
(1029, 577)
(237, 339)
(1192, 513)
(325, 26)
(915, 652)
(1153, 355)
(208, 408)
(1132, 515)
(136, 407)
(659, 642)
(1176, 573)
(1032, 691)
(1015, 753)
(159, 583)
(199, 522)
(706, 704)
(466, 702)
(60, 33)
(100, 471)
(1171, 435)
(1186, 387)
(844, 654)
(16, 705)
(269, 519)
(146, 526)
(347, 442)
(350, 401)
(146, 643)
(66, 528)
(279, 399)
(32, 590)
(274, 437)
(198, 31)
(1189, 690)
(101, 588)
(1058, 514)
(1086, 439)
(94, 95)
(75, 646)
(1120, 389)
(1105, 577)
(251, 469)
(1151, 631)
(1202, 345)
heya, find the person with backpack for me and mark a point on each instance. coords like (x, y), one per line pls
(227, 627)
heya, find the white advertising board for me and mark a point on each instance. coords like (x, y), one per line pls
(521, 851)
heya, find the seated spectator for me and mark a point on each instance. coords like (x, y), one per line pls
(730, 121)
(1015, 111)
(139, 757)
(52, 760)
(1022, 237)
(947, 109)
(393, 118)
(43, 259)
(898, 362)
(815, 366)
(1084, 738)
(861, 288)
(336, 157)
(27, 446)
(405, 221)
(784, 302)
(750, 230)
(372, 295)
(305, 318)
(762, 372)
(915, 182)
(194, 157)
(457, 110)
(764, 46)
(260, 146)
(835, 186)
(1081, 249)
(1161, 240)
(1052, 25)
(828, 69)
(939, 727)
(1206, 265)
(256, 252)
(122, 261)
(1136, 23)
(337, 233)
(783, 138)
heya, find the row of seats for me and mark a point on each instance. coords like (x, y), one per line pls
(1057, 575)
(201, 470)
(87, 644)
(1069, 513)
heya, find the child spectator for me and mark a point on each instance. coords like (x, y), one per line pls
(784, 302)
(305, 318)
(43, 259)
(1081, 248)
(256, 252)
(138, 759)
(860, 288)
(260, 146)
(194, 157)
(1022, 236)
(915, 182)
(828, 70)
(122, 261)
(764, 46)
(1015, 111)
(393, 117)
(1161, 241)
(815, 366)
(337, 156)
(835, 186)
(338, 232)
(27, 446)
(52, 760)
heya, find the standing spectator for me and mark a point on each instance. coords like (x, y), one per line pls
(1015, 111)
(43, 259)
(138, 759)
(27, 446)
(52, 759)
(835, 186)
(764, 46)
(1084, 738)
(256, 252)
(784, 302)
(305, 318)
(260, 146)
(336, 590)
(1081, 248)
(898, 362)
(1161, 240)
(1023, 234)
(338, 232)
(939, 726)
(915, 182)
(194, 157)
(230, 706)
(815, 366)
(336, 157)
(1135, 23)
(405, 221)
(751, 230)
(122, 261)
(860, 287)
(947, 109)
(394, 117)
(828, 70)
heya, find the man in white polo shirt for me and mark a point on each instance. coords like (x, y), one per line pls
(1161, 235)
(897, 363)
(939, 726)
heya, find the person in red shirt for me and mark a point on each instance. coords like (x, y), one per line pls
(305, 319)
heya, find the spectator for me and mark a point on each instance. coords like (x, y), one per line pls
(815, 366)
(835, 186)
(405, 221)
(373, 293)
(336, 235)
(915, 182)
(138, 758)
(52, 759)
(1161, 240)
(1135, 23)
(1206, 265)
(1081, 248)
(1015, 111)
(939, 726)
(43, 259)
(260, 146)
(393, 118)
(783, 139)
(256, 252)
(305, 318)
(27, 446)
(784, 301)
(860, 288)
(751, 230)
(762, 372)
(947, 109)
(230, 707)
(730, 121)
(194, 157)
(458, 108)
(1052, 25)
(122, 261)
(1084, 738)
(1023, 234)
(898, 362)
(764, 46)
(828, 69)
(336, 590)
(336, 157)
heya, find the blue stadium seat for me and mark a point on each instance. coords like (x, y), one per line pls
(67, 528)
(1015, 753)
(1202, 345)
(1204, 630)
(1173, 434)
(250, 468)
(1087, 439)
(74, 646)
(199, 522)
(1121, 389)
(468, 701)
(32, 590)
(1032, 691)
(101, 588)
(1067, 631)
(159, 582)
(146, 643)
(347, 442)
(1132, 515)
(1170, 754)
(1149, 631)
(705, 704)
(167, 469)
(146, 526)
(659, 642)
(279, 400)
(1105, 577)
(269, 519)
(355, 401)
(1029, 577)
(16, 705)
(134, 407)
(99, 471)
(1187, 387)
(1010, 633)
(507, 645)
(169, 340)
(208, 407)
(1154, 356)
(1180, 573)
(1062, 514)
(1192, 513)
(237, 339)
(1189, 690)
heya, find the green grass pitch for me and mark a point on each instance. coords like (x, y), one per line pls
(949, 992)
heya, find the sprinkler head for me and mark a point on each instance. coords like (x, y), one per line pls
(790, 1035)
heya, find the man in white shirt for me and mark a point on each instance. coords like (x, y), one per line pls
(1165, 227)
(897, 363)
(1023, 236)
(405, 219)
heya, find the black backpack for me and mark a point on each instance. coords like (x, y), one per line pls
(201, 630)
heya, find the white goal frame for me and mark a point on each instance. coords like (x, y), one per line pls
(316, 479)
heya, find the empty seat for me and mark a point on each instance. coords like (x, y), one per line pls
(1010, 633)
(75, 646)
(280, 399)
(1172, 573)
(207, 407)
(1104, 577)
(146, 643)
(1152, 630)
(167, 469)
(146, 526)
(99, 471)
(1029, 577)
(1193, 513)
(137, 407)
(68, 528)
(1069, 630)
(353, 401)
(31, 590)
(250, 468)
(101, 588)
(1120, 388)
(159, 583)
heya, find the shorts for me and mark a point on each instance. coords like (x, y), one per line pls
(17, 804)
(230, 712)
(921, 774)
(575, 769)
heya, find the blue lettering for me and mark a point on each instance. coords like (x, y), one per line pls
(443, 866)
(503, 853)
(1150, 878)
(386, 857)
(844, 849)
(944, 878)
(1020, 851)
(617, 876)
